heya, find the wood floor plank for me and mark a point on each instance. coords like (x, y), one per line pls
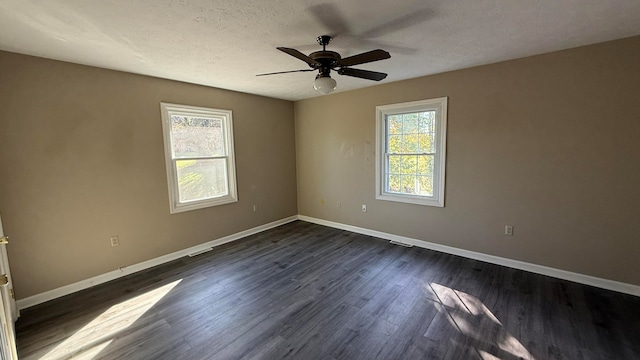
(305, 291)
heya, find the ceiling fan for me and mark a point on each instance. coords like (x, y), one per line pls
(324, 61)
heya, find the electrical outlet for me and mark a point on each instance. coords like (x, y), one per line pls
(115, 240)
(255, 207)
(339, 204)
(508, 230)
(364, 208)
(321, 202)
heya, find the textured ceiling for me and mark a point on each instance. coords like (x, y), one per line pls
(225, 43)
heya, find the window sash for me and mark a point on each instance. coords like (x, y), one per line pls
(183, 190)
(189, 114)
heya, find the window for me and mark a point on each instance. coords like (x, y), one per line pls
(411, 151)
(198, 146)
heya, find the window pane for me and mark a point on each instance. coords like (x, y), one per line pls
(395, 163)
(410, 143)
(201, 179)
(394, 183)
(395, 144)
(427, 122)
(408, 184)
(425, 165)
(409, 164)
(196, 136)
(427, 143)
(425, 185)
(410, 124)
(395, 124)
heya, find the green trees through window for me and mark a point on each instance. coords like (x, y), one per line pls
(410, 152)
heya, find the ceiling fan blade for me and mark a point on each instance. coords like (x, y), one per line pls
(364, 74)
(369, 56)
(413, 18)
(284, 72)
(330, 17)
(297, 54)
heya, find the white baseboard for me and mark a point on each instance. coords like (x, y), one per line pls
(521, 265)
(124, 271)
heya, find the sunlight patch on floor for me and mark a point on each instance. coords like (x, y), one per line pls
(486, 356)
(476, 321)
(92, 352)
(89, 341)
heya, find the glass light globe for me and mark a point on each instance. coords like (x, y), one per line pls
(324, 85)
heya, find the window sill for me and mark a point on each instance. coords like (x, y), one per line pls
(411, 199)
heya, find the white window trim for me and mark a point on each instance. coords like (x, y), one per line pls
(176, 206)
(438, 104)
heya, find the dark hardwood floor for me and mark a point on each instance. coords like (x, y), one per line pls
(305, 291)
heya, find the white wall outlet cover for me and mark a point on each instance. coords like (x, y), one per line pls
(508, 230)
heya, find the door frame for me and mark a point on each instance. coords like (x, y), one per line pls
(8, 308)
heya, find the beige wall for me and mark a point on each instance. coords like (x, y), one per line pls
(82, 159)
(549, 144)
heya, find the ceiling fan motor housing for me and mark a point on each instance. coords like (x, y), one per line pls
(327, 60)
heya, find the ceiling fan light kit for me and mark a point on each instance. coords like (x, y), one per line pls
(324, 61)
(324, 84)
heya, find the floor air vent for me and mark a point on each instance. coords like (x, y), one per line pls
(200, 252)
(401, 244)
